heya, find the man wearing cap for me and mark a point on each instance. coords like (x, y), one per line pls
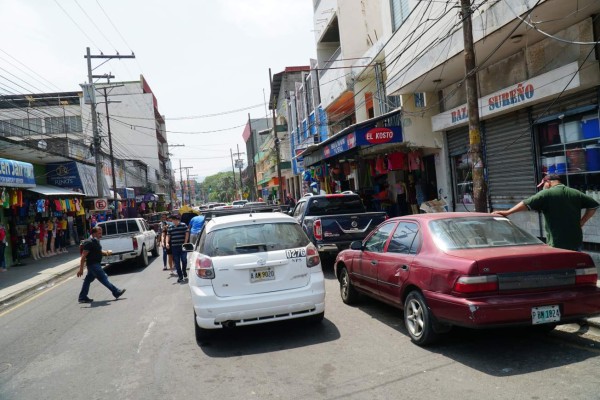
(175, 239)
(561, 207)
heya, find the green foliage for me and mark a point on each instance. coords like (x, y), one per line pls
(220, 187)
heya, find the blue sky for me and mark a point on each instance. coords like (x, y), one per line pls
(200, 57)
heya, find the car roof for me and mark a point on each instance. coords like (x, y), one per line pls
(248, 218)
(445, 215)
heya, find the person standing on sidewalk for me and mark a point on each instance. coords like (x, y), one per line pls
(92, 255)
(175, 239)
(561, 207)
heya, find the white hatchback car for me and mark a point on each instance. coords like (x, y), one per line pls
(254, 268)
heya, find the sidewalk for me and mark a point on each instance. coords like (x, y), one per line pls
(20, 281)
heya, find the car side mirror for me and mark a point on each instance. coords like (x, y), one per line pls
(188, 247)
(356, 245)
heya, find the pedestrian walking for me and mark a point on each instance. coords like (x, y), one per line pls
(92, 256)
(561, 207)
(166, 252)
(175, 239)
(289, 201)
(194, 229)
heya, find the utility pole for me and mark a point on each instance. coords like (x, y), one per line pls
(112, 158)
(172, 180)
(233, 171)
(181, 181)
(240, 163)
(475, 154)
(96, 134)
(254, 177)
(276, 136)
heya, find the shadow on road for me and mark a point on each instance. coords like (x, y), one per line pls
(267, 338)
(497, 352)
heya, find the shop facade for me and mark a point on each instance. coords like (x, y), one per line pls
(537, 117)
(374, 159)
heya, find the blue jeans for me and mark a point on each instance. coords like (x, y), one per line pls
(180, 260)
(95, 271)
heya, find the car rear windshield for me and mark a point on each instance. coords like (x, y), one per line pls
(336, 205)
(119, 227)
(467, 233)
(254, 238)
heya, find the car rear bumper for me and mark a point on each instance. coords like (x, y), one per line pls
(513, 310)
(214, 312)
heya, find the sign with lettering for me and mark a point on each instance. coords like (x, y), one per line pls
(516, 96)
(378, 135)
(339, 146)
(16, 174)
(100, 204)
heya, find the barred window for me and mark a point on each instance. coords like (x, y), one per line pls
(68, 124)
(400, 11)
(20, 127)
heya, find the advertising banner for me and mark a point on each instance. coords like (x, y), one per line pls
(16, 173)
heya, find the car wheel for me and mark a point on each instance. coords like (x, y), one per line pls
(201, 333)
(142, 260)
(155, 249)
(418, 319)
(347, 290)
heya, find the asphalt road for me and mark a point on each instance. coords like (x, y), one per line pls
(142, 346)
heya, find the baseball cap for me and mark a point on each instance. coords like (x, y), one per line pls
(548, 178)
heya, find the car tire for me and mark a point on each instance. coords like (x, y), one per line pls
(201, 333)
(418, 319)
(347, 291)
(155, 249)
(142, 260)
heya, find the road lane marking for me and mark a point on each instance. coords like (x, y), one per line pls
(146, 334)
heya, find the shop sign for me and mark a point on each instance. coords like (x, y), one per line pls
(100, 204)
(64, 175)
(378, 135)
(339, 146)
(513, 97)
(16, 173)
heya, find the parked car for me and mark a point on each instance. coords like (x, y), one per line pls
(333, 221)
(129, 239)
(467, 269)
(251, 269)
(153, 220)
(239, 203)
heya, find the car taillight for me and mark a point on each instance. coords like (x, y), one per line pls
(135, 244)
(317, 230)
(204, 268)
(586, 276)
(312, 256)
(476, 284)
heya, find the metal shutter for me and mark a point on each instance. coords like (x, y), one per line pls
(576, 103)
(509, 159)
(458, 141)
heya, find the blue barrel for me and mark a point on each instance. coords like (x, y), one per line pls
(592, 157)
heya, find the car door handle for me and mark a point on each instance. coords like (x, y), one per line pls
(373, 262)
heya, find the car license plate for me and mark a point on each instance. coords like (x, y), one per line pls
(545, 314)
(111, 259)
(262, 274)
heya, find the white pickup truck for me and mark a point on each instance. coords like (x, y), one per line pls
(128, 239)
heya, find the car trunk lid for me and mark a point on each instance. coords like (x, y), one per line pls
(526, 267)
(263, 272)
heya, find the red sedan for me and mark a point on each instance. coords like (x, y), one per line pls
(467, 269)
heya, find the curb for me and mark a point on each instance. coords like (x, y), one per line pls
(16, 296)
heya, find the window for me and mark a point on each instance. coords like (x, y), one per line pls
(399, 10)
(63, 124)
(464, 181)
(377, 241)
(420, 100)
(405, 239)
(20, 127)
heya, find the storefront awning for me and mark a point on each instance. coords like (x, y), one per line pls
(362, 133)
(48, 190)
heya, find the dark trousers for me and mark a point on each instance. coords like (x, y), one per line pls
(180, 260)
(95, 271)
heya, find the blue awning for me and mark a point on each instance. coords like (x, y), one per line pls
(16, 174)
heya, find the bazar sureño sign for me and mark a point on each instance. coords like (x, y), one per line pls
(16, 173)
(530, 91)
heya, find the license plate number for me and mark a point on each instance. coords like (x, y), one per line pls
(545, 314)
(111, 259)
(262, 274)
